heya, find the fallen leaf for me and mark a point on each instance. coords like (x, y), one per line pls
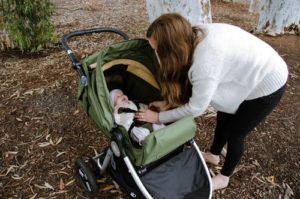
(58, 141)
(65, 173)
(44, 144)
(288, 191)
(30, 92)
(40, 90)
(9, 169)
(33, 197)
(70, 182)
(37, 118)
(255, 162)
(10, 153)
(61, 184)
(16, 177)
(270, 179)
(47, 136)
(76, 112)
(23, 165)
(59, 192)
(60, 153)
(15, 94)
(48, 186)
(109, 187)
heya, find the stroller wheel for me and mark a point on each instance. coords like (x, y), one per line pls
(87, 178)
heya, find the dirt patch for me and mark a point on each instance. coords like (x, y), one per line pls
(43, 129)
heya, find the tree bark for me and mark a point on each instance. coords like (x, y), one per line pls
(276, 15)
(196, 11)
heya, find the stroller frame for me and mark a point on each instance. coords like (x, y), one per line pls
(102, 161)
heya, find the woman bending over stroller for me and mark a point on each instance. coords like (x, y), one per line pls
(238, 74)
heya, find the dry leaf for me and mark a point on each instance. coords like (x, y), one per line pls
(40, 90)
(47, 136)
(58, 141)
(109, 187)
(102, 180)
(33, 197)
(47, 185)
(71, 182)
(9, 169)
(61, 184)
(23, 165)
(30, 92)
(59, 192)
(10, 153)
(65, 173)
(76, 112)
(16, 177)
(260, 180)
(270, 179)
(15, 94)
(37, 118)
(60, 153)
(288, 191)
(255, 162)
(44, 144)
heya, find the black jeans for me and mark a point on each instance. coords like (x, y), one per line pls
(233, 128)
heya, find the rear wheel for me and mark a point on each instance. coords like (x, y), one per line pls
(87, 177)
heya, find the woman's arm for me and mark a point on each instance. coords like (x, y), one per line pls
(159, 106)
(202, 94)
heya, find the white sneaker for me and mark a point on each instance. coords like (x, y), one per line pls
(211, 158)
(219, 182)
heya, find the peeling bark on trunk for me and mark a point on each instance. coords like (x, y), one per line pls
(276, 15)
(196, 11)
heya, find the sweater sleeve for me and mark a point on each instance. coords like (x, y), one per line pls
(202, 93)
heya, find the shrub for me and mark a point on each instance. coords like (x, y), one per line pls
(27, 22)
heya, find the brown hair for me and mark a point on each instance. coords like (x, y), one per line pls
(176, 42)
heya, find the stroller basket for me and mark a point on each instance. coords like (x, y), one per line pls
(169, 164)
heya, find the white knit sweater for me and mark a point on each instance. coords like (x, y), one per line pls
(230, 66)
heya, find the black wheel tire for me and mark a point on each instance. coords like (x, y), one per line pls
(87, 178)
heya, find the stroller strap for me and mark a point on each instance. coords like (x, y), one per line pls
(126, 110)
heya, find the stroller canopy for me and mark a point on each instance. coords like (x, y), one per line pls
(128, 65)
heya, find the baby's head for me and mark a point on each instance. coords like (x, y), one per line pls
(118, 97)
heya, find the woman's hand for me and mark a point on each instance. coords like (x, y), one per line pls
(159, 106)
(146, 115)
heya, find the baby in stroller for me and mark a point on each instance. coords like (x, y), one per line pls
(146, 171)
(124, 114)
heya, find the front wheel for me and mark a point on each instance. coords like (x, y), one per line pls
(87, 178)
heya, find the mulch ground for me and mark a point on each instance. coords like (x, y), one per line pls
(43, 129)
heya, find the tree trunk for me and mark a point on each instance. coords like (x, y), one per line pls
(276, 15)
(196, 11)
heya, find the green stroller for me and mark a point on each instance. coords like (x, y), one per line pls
(169, 165)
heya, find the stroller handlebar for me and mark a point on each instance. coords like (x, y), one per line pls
(75, 62)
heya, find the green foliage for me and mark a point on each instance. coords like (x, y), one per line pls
(28, 23)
